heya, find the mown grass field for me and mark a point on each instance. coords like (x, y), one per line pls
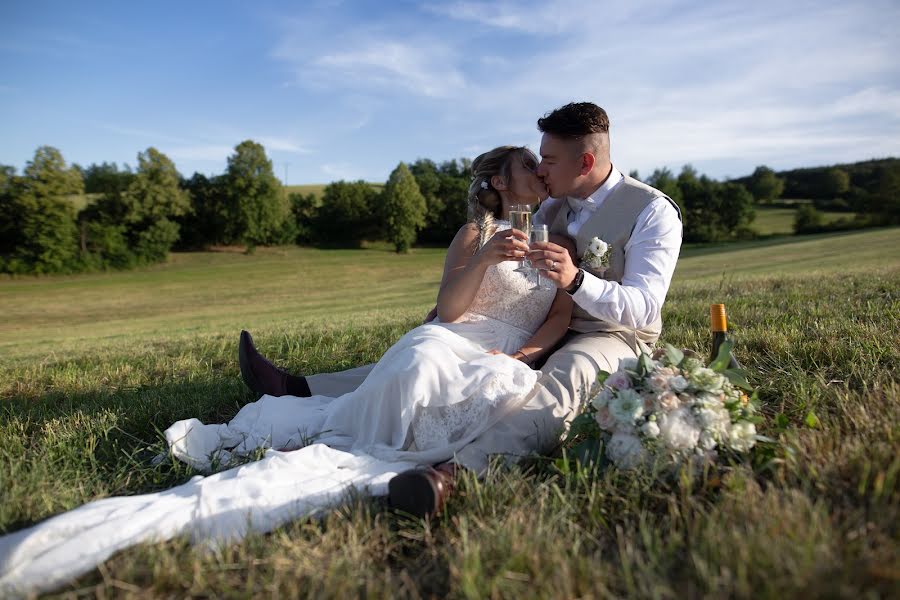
(316, 189)
(94, 366)
(780, 221)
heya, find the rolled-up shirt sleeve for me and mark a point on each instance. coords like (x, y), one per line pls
(650, 258)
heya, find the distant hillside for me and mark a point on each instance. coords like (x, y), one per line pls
(317, 189)
(804, 182)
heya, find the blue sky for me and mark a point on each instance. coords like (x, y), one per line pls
(346, 90)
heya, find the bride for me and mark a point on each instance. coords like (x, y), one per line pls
(434, 391)
(444, 382)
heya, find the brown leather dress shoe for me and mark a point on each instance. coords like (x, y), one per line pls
(263, 377)
(422, 492)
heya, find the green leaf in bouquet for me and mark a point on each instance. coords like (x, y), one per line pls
(737, 377)
(723, 358)
(602, 376)
(583, 425)
(589, 452)
(674, 355)
(645, 365)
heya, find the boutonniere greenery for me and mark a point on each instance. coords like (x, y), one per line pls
(596, 256)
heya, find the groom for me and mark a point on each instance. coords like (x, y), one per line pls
(617, 307)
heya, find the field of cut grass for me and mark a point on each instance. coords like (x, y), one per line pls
(317, 189)
(780, 221)
(92, 367)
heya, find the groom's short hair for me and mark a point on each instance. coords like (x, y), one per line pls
(575, 120)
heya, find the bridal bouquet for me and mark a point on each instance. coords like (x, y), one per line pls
(672, 405)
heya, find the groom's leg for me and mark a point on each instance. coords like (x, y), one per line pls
(337, 384)
(568, 376)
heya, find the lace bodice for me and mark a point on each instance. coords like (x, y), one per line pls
(504, 295)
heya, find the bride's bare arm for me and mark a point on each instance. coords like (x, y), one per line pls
(464, 267)
(553, 329)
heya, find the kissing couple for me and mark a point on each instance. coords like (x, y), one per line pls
(448, 395)
(461, 387)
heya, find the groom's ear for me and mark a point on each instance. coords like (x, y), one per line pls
(498, 182)
(588, 161)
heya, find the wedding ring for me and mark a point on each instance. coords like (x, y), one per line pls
(552, 265)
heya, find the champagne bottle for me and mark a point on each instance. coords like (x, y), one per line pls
(718, 326)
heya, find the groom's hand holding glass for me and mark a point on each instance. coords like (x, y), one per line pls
(555, 263)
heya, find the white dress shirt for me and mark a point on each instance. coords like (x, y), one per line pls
(650, 258)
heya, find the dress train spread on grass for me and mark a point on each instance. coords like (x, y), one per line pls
(433, 392)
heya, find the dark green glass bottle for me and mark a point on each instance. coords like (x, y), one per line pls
(718, 325)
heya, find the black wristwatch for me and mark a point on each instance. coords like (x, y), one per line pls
(576, 283)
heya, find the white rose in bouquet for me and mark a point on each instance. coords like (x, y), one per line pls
(707, 380)
(742, 436)
(678, 429)
(715, 420)
(625, 450)
(650, 429)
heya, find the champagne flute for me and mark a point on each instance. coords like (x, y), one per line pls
(520, 218)
(540, 233)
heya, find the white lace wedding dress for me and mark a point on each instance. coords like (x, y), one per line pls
(433, 392)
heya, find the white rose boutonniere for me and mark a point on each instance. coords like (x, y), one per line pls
(596, 256)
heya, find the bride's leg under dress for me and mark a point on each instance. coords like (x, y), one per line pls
(568, 376)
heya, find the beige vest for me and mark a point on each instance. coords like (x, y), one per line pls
(613, 223)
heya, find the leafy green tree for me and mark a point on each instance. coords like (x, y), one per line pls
(206, 223)
(43, 235)
(8, 211)
(713, 211)
(157, 200)
(106, 178)
(445, 189)
(884, 203)
(807, 220)
(257, 206)
(666, 182)
(305, 210)
(138, 224)
(765, 185)
(402, 208)
(830, 183)
(347, 214)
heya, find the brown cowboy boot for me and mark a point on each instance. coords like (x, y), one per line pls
(263, 377)
(422, 492)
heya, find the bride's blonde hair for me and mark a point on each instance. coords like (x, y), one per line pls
(484, 202)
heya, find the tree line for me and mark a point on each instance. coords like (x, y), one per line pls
(870, 189)
(137, 216)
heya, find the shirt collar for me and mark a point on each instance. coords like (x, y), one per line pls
(594, 201)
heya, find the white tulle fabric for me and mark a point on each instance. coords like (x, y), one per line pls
(433, 392)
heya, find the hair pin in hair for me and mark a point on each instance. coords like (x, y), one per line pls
(484, 185)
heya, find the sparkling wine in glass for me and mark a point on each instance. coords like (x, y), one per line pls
(520, 218)
(540, 233)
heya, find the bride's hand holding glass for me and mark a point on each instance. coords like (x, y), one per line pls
(507, 244)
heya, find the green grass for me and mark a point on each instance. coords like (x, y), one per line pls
(94, 366)
(780, 221)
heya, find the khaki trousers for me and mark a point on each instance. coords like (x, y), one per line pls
(568, 375)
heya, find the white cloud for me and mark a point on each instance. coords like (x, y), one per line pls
(280, 144)
(341, 171)
(203, 152)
